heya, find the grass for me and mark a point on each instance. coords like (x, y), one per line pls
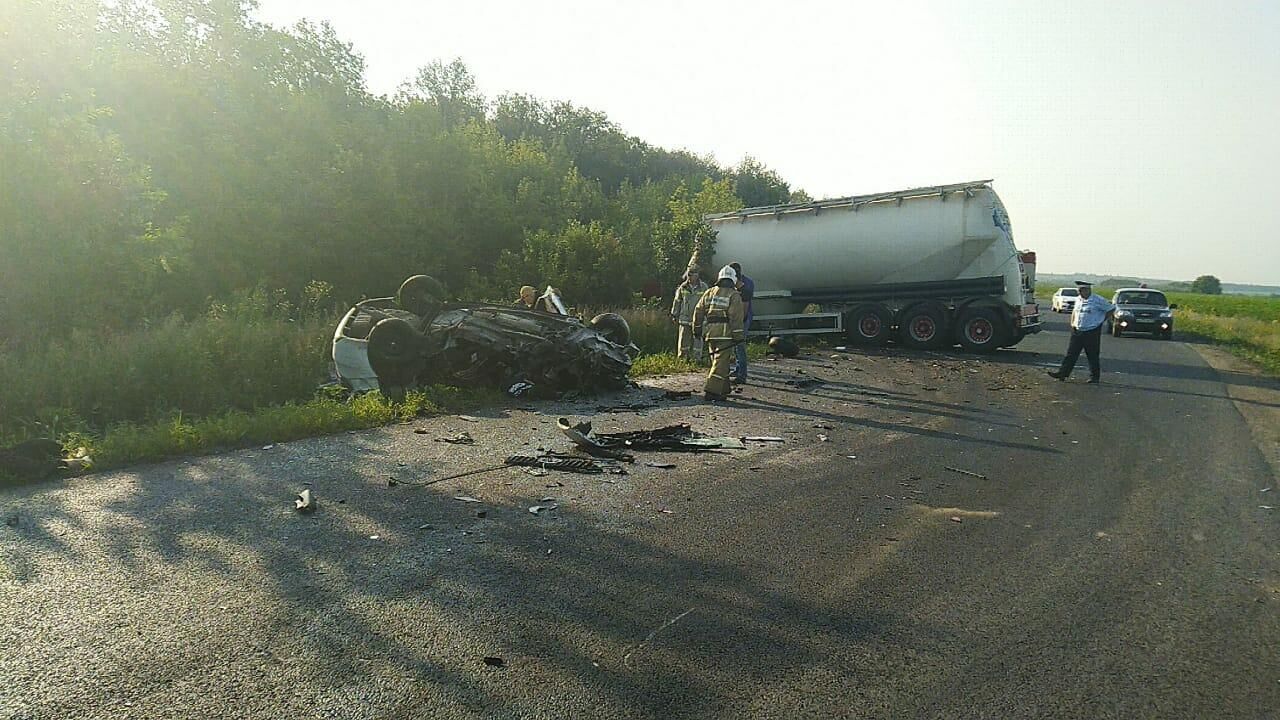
(245, 374)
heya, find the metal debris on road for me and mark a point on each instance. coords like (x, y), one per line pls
(626, 407)
(305, 503)
(466, 499)
(955, 519)
(663, 465)
(565, 463)
(823, 438)
(804, 382)
(536, 509)
(462, 438)
(677, 438)
(468, 418)
(677, 395)
(421, 431)
(763, 438)
(970, 473)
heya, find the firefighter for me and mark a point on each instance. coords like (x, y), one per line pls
(720, 319)
(689, 345)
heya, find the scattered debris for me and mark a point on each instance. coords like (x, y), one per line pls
(462, 438)
(970, 473)
(763, 438)
(677, 395)
(468, 418)
(804, 382)
(519, 389)
(421, 431)
(663, 465)
(625, 407)
(1266, 507)
(305, 503)
(536, 472)
(823, 438)
(268, 447)
(466, 499)
(823, 426)
(392, 481)
(955, 519)
(679, 438)
(494, 661)
(565, 463)
(535, 509)
(1266, 489)
(626, 659)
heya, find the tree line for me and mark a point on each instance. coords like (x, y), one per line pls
(157, 156)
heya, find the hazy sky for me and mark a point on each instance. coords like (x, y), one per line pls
(1130, 138)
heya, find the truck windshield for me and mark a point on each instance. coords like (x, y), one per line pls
(1142, 298)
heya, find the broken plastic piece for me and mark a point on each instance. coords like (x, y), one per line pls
(305, 503)
(763, 438)
(466, 499)
(462, 438)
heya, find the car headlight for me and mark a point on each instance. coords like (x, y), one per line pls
(1123, 313)
(1166, 313)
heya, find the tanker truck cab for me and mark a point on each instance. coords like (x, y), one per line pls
(927, 267)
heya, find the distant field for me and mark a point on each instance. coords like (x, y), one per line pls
(1248, 306)
(1247, 325)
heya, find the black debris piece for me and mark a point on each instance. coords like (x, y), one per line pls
(677, 395)
(494, 661)
(565, 463)
(674, 438)
(804, 382)
(462, 438)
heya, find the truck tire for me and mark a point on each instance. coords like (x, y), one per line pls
(868, 325)
(421, 295)
(922, 327)
(980, 329)
(395, 353)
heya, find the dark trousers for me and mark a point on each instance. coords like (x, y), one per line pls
(1087, 340)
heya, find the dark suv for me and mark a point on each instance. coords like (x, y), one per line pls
(1142, 310)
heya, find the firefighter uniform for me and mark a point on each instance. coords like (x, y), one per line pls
(689, 344)
(720, 319)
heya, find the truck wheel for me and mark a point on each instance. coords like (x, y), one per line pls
(395, 352)
(868, 325)
(979, 330)
(421, 295)
(922, 327)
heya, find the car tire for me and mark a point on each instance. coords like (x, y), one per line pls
(868, 325)
(980, 329)
(613, 327)
(421, 295)
(395, 353)
(922, 327)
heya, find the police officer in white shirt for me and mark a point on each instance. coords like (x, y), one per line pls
(1086, 332)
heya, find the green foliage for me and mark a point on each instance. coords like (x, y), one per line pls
(1207, 285)
(582, 261)
(1245, 306)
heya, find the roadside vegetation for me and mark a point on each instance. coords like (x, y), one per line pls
(191, 198)
(1248, 326)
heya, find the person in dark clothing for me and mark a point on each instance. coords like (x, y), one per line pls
(1086, 333)
(746, 288)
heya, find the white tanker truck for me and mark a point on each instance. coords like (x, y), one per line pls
(928, 267)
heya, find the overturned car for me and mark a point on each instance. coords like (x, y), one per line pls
(417, 337)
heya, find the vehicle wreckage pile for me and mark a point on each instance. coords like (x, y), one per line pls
(418, 338)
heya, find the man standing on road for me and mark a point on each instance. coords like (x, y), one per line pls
(1086, 332)
(689, 344)
(720, 318)
(747, 289)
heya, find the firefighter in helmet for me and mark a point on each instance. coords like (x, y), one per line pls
(720, 319)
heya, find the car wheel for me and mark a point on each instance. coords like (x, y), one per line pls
(395, 353)
(980, 329)
(421, 295)
(868, 325)
(613, 327)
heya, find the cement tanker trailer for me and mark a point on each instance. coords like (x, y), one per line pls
(929, 267)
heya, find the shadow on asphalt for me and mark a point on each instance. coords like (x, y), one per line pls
(590, 602)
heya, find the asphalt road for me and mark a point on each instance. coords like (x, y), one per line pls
(1115, 560)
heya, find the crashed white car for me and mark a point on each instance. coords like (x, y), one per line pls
(417, 338)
